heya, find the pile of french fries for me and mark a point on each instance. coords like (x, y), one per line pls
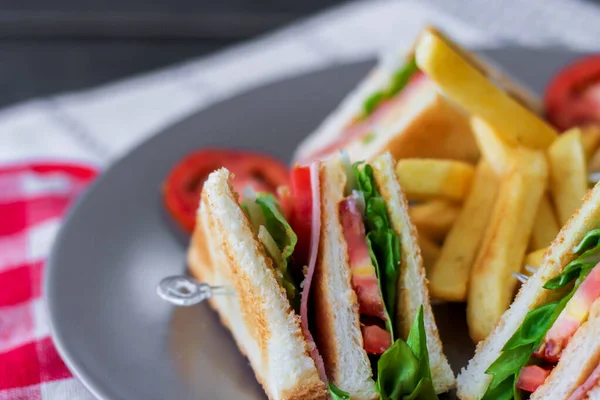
(480, 223)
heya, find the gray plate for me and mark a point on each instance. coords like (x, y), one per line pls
(109, 325)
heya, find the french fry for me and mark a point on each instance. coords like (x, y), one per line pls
(426, 178)
(468, 86)
(568, 174)
(491, 144)
(590, 135)
(545, 227)
(434, 218)
(505, 240)
(448, 277)
(534, 259)
(429, 250)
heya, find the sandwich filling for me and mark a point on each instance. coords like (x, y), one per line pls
(534, 349)
(380, 109)
(293, 269)
(402, 367)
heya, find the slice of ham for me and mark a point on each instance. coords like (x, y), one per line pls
(531, 377)
(359, 128)
(570, 319)
(581, 392)
(364, 277)
(376, 339)
(312, 261)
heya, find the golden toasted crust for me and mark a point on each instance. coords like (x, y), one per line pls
(202, 264)
(225, 251)
(325, 335)
(311, 389)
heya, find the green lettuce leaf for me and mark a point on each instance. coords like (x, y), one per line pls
(383, 242)
(503, 391)
(573, 270)
(417, 341)
(389, 325)
(336, 393)
(535, 325)
(398, 82)
(519, 349)
(402, 77)
(384, 249)
(590, 240)
(403, 371)
(397, 371)
(505, 370)
(372, 102)
(424, 390)
(366, 180)
(284, 236)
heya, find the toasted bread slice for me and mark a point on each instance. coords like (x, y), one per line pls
(339, 335)
(425, 125)
(412, 284)
(578, 360)
(225, 251)
(473, 381)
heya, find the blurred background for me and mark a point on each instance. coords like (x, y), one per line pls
(49, 46)
(62, 45)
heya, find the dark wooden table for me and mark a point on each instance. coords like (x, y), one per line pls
(50, 46)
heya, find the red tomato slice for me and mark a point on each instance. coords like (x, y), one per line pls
(531, 377)
(573, 96)
(376, 340)
(301, 219)
(181, 190)
(364, 277)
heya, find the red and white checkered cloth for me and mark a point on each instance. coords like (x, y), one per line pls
(33, 201)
